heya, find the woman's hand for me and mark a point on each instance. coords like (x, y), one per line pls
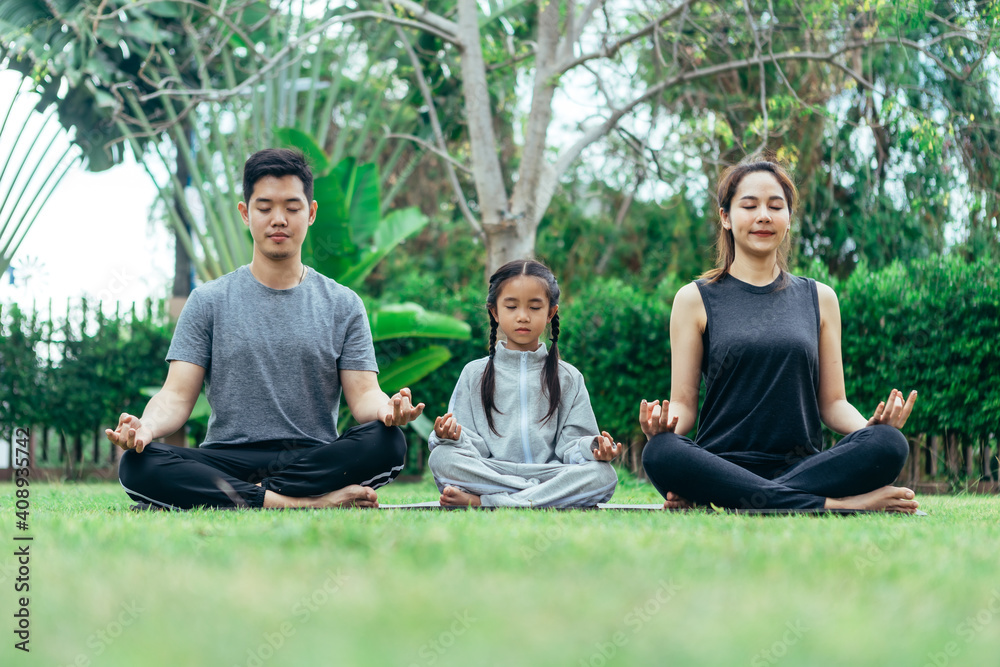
(606, 449)
(446, 428)
(893, 411)
(655, 419)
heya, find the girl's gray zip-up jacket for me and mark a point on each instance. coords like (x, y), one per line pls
(521, 401)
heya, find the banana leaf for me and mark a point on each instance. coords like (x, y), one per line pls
(410, 320)
(407, 370)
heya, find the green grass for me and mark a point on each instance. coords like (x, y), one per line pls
(392, 587)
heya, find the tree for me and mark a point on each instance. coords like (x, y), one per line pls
(31, 171)
(215, 79)
(693, 46)
(80, 56)
(685, 87)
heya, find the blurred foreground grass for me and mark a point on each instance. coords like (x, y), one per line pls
(394, 587)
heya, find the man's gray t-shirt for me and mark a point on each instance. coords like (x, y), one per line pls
(272, 357)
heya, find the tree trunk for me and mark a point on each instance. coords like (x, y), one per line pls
(984, 456)
(536, 182)
(182, 263)
(492, 195)
(505, 243)
(951, 454)
(910, 470)
(932, 457)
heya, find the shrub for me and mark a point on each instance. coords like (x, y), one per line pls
(932, 325)
(618, 336)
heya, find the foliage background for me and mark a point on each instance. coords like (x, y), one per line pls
(894, 150)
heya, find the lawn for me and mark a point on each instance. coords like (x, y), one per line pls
(509, 587)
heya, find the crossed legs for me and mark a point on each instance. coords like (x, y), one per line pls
(465, 478)
(344, 472)
(855, 474)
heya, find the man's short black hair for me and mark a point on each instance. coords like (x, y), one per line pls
(276, 162)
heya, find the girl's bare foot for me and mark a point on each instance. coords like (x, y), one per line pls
(888, 499)
(675, 502)
(454, 497)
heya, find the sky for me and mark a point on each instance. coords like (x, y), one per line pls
(93, 238)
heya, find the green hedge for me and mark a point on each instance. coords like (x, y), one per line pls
(618, 336)
(934, 326)
(78, 372)
(602, 330)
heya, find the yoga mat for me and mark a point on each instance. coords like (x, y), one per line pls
(435, 505)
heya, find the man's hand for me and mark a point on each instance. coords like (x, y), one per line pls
(655, 419)
(130, 434)
(606, 449)
(400, 410)
(447, 428)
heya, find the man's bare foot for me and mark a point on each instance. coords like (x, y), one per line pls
(453, 497)
(675, 502)
(888, 499)
(354, 495)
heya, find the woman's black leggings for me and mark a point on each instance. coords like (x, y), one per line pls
(863, 461)
(172, 477)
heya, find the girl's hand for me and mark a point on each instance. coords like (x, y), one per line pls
(655, 419)
(605, 447)
(893, 411)
(447, 428)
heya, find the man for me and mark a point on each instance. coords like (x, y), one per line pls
(275, 343)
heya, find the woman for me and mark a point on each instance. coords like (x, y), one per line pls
(768, 346)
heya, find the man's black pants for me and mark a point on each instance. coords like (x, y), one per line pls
(172, 477)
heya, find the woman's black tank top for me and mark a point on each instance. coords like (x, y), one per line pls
(761, 370)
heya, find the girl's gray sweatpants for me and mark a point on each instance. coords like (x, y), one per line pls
(507, 484)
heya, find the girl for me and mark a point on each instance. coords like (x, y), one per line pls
(520, 431)
(768, 346)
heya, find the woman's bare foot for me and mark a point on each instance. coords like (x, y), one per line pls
(888, 499)
(354, 495)
(453, 497)
(675, 502)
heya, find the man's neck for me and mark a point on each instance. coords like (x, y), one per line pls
(283, 274)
